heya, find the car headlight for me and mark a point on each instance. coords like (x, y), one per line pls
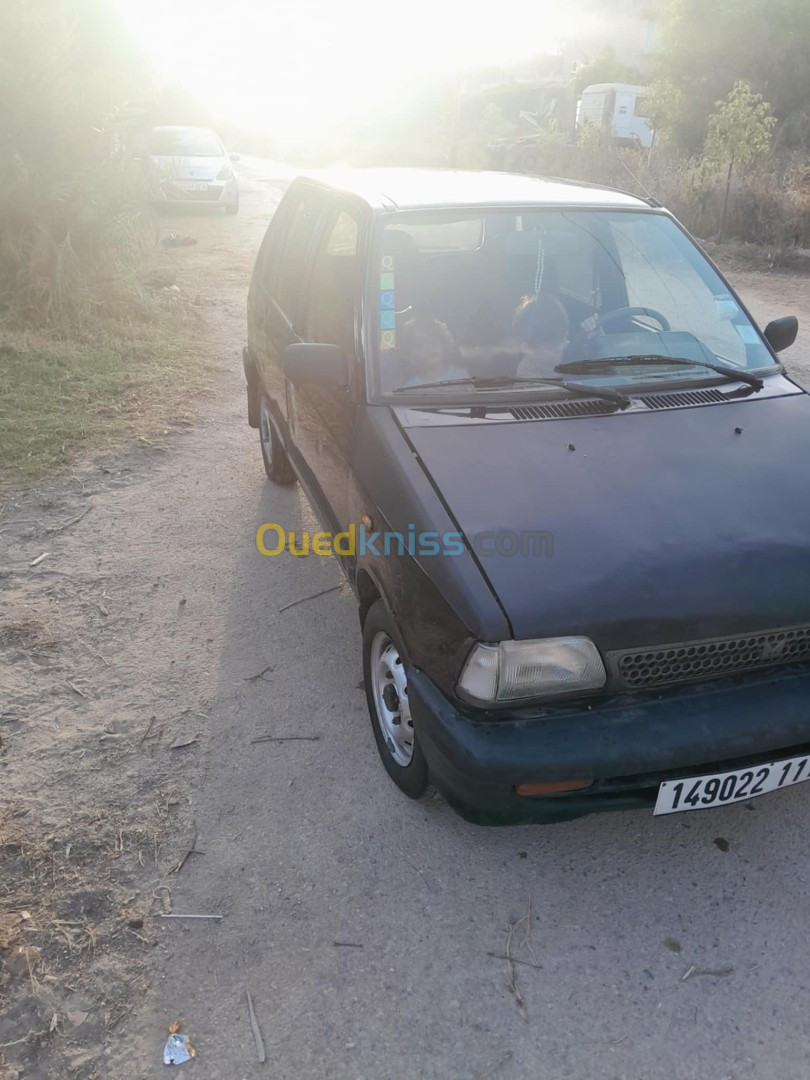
(525, 670)
(225, 173)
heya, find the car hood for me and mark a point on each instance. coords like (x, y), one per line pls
(188, 168)
(657, 527)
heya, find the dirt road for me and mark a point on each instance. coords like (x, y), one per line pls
(369, 930)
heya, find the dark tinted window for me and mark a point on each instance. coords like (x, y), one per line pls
(330, 313)
(289, 265)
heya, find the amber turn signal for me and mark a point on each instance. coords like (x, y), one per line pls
(556, 787)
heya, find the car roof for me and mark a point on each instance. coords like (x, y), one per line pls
(408, 189)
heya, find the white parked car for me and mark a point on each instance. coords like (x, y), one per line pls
(190, 165)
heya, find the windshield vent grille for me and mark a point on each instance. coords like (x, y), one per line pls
(561, 410)
(680, 399)
(702, 660)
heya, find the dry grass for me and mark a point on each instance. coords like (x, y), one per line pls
(92, 824)
(26, 633)
(769, 204)
(123, 383)
(87, 355)
(64, 918)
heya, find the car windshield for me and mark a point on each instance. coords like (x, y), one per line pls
(505, 294)
(185, 142)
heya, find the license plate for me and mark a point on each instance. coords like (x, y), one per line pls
(721, 789)
(193, 185)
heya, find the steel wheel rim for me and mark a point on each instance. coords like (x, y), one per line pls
(389, 685)
(265, 433)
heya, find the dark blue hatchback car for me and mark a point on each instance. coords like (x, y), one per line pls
(567, 479)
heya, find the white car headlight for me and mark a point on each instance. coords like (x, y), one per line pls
(524, 670)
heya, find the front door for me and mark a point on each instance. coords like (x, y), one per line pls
(278, 300)
(323, 417)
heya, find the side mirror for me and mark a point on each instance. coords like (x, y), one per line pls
(781, 333)
(234, 157)
(309, 362)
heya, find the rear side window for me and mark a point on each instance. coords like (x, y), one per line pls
(289, 260)
(333, 286)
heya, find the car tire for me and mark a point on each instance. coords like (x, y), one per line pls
(385, 675)
(232, 207)
(276, 463)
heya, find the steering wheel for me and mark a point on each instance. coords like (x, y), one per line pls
(627, 312)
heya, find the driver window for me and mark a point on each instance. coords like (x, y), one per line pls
(333, 286)
(289, 265)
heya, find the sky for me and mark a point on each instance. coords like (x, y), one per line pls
(298, 67)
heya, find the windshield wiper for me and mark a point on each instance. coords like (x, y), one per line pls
(495, 382)
(732, 373)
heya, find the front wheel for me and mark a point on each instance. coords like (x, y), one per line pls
(385, 675)
(276, 463)
(232, 207)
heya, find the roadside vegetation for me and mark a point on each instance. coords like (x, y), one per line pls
(727, 97)
(728, 101)
(58, 395)
(87, 353)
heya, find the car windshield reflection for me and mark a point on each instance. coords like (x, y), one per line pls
(507, 294)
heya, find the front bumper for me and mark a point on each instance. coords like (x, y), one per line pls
(626, 746)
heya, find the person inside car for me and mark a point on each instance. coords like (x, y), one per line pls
(541, 328)
(430, 353)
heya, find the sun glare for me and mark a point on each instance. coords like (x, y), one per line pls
(297, 69)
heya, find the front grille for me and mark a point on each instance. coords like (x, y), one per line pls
(559, 410)
(680, 399)
(700, 660)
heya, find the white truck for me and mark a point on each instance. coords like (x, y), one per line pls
(614, 107)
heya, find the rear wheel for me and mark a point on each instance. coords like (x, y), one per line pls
(276, 463)
(385, 675)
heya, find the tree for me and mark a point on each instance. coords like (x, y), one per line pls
(479, 133)
(662, 105)
(706, 48)
(740, 130)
